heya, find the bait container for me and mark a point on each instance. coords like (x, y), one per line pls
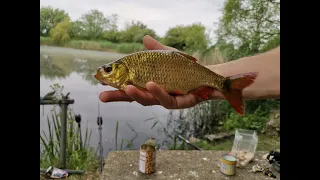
(244, 146)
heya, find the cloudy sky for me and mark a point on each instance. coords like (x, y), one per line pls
(157, 15)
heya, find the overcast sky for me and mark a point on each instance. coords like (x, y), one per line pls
(157, 15)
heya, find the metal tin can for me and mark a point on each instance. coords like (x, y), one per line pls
(147, 160)
(228, 165)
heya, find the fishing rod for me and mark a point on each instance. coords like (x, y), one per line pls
(99, 122)
(189, 143)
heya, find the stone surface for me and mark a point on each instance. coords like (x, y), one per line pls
(273, 125)
(123, 165)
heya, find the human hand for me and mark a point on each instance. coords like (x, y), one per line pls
(155, 95)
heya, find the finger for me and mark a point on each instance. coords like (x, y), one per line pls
(162, 96)
(110, 96)
(153, 44)
(143, 97)
(186, 101)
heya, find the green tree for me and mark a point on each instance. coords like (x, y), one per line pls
(112, 34)
(135, 31)
(249, 24)
(60, 33)
(91, 25)
(113, 21)
(187, 38)
(49, 18)
(247, 27)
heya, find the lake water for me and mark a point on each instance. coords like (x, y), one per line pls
(74, 69)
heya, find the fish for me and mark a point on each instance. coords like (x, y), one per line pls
(176, 72)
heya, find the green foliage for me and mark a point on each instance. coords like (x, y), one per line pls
(91, 25)
(257, 115)
(105, 45)
(60, 33)
(112, 36)
(49, 18)
(45, 40)
(271, 44)
(79, 154)
(207, 117)
(187, 38)
(95, 26)
(130, 47)
(129, 142)
(134, 32)
(249, 24)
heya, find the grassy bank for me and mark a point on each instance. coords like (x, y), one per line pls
(207, 57)
(124, 48)
(265, 143)
(80, 156)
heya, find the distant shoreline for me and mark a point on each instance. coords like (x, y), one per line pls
(104, 46)
(79, 53)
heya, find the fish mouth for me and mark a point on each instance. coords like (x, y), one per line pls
(98, 77)
(103, 83)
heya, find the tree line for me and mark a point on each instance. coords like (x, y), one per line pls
(246, 27)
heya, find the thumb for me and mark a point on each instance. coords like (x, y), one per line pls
(153, 44)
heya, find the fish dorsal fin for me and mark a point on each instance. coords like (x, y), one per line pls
(187, 56)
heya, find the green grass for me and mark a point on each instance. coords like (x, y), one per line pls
(129, 145)
(130, 47)
(265, 143)
(46, 41)
(80, 156)
(100, 45)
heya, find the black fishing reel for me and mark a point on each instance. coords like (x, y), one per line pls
(274, 156)
(78, 118)
(274, 159)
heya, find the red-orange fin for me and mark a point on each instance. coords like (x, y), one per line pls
(203, 92)
(234, 86)
(187, 56)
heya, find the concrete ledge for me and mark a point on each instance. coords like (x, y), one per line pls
(123, 165)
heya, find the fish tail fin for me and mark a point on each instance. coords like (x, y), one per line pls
(234, 86)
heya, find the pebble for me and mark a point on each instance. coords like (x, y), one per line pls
(159, 172)
(135, 173)
(205, 158)
(265, 156)
(193, 173)
(213, 171)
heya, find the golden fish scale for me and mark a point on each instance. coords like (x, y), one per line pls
(171, 71)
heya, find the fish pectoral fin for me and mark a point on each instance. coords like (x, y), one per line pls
(203, 92)
(187, 56)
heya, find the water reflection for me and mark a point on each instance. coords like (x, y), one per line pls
(74, 70)
(61, 66)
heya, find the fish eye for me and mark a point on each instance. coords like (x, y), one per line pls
(107, 68)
